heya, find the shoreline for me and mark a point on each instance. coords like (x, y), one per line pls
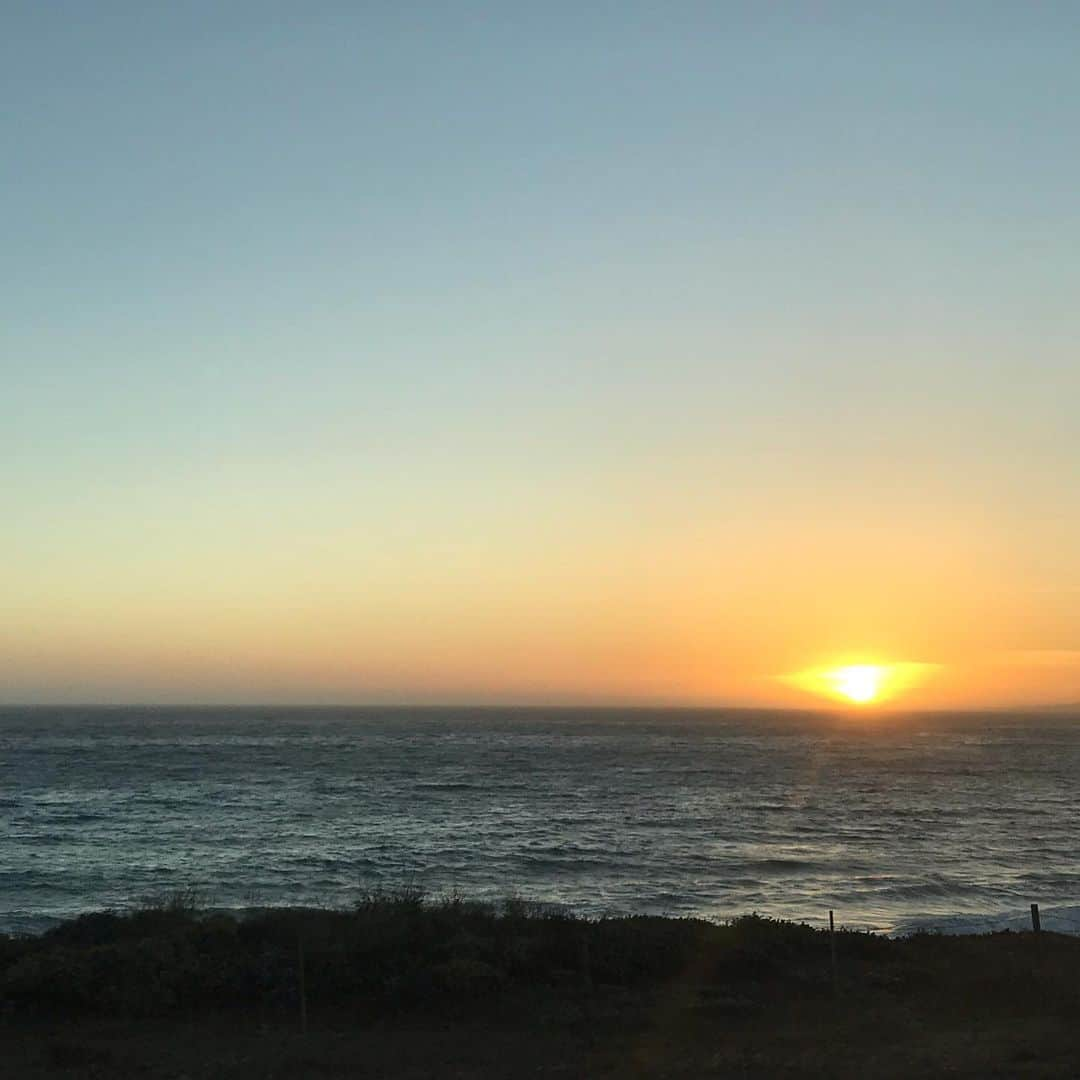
(1059, 918)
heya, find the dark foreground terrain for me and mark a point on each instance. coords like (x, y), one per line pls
(400, 987)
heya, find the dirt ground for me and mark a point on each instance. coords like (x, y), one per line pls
(598, 1035)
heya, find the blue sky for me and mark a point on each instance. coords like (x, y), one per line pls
(531, 283)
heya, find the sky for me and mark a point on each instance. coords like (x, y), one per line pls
(604, 352)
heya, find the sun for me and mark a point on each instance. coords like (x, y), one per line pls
(859, 683)
(863, 683)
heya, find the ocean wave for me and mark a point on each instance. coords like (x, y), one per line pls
(917, 890)
(776, 867)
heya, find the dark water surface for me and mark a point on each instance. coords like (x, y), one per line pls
(958, 821)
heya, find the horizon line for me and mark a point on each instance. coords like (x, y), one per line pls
(833, 710)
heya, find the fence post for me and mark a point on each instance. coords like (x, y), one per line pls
(832, 953)
(302, 981)
(1036, 922)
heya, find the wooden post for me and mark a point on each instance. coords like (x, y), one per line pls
(1036, 922)
(302, 983)
(832, 952)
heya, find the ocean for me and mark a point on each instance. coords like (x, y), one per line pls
(954, 822)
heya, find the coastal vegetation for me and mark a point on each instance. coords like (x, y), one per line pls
(404, 985)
